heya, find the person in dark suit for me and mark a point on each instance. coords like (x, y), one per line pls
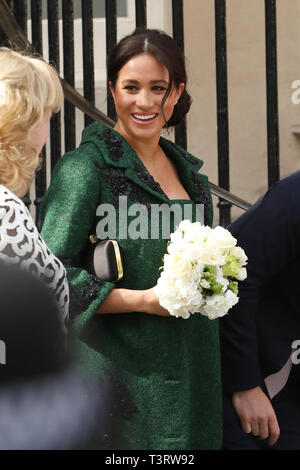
(260, 337)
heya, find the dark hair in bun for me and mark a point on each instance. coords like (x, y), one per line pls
(166, 51)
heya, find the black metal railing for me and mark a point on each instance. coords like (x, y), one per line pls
(88, 55)
(272, 92)
(69, 71)
(13, 31)
(222, 107)
(111, 39)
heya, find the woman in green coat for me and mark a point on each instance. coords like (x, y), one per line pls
(163, 370)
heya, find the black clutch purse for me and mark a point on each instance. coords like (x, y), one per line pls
(103, 259)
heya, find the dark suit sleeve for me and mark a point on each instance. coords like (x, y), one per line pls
(269, 234)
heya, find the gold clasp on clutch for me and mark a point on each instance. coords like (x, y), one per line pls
(93, 238)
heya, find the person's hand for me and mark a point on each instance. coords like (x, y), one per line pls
(256, 414)
(152, 304)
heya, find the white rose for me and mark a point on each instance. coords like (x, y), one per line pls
(177, 265)
(221, 238)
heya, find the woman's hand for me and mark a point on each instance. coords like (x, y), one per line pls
(151, 303)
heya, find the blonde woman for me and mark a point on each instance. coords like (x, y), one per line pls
(30, 91)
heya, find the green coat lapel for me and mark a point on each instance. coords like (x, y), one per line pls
(141, 177)
(195, 183)
(117, 153)
(186, 164)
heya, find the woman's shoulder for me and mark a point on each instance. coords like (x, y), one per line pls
(78, 169)
(12, 207)
(88, 154)
(83, 158)
(6, 195)
(16, 223)
(101, 148)
(18, 230)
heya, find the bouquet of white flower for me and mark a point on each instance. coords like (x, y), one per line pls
(199, 271)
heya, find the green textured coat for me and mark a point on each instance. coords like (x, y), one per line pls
(169, 367)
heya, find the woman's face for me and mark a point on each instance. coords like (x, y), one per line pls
(38, 136)
(141, 85)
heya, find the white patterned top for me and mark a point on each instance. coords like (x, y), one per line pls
(22, 245)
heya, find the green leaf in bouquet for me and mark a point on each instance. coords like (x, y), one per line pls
(215, 287)
(208, 269)
(233, 286)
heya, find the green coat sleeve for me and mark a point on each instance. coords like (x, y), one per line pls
(68, 213)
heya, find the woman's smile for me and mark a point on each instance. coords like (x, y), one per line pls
(144, 119)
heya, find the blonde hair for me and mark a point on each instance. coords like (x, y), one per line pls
(29, 87)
